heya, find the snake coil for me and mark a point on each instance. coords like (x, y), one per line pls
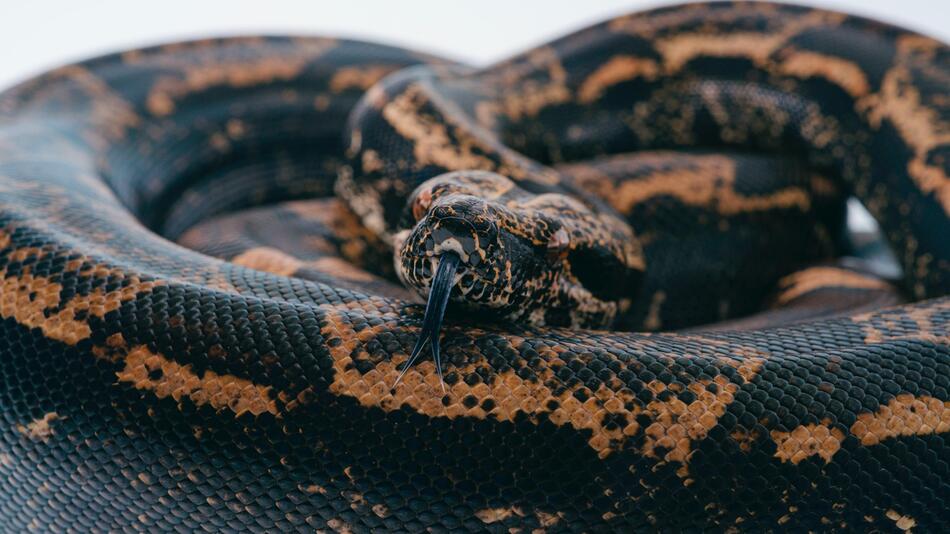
(146, 385)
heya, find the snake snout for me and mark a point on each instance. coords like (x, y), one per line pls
(461, 224)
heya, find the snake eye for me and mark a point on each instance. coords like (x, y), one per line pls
(420, 205)
(557, 246)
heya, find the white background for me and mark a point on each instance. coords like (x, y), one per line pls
(36, 35)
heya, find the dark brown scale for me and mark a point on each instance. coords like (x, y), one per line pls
(145, 386)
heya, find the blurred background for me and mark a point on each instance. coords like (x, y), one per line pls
(36, 35)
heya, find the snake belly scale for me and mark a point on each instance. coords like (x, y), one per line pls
(174, 355)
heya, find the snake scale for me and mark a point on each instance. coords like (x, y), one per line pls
(607, 194)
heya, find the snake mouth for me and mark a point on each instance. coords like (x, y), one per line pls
(439, 292)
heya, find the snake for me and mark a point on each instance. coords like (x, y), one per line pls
(313, 284)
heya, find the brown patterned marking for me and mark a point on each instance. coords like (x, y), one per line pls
(321, 102)
(323, 210)
(340, 268)
(356, 238)
(676, 424)
(274, 261)
(110, 115)
(432, 144)
(823, 186)
(903, 522)
(493, 515)
(841, 72)
(744, 438)
(375, 97)
(919, 125)
(113, 351)
(312, 488)
(680, 49)
(894, 319)
(653, 320)
(28, 300)
(340, 526)
(815, 278)
(362, 77)
(521, 97)
(5, 460)
(421, 390)
(213, 277)
(820, 129)
(908, 44)
(904, 415)
(617, 69)
(269, 260)
(430, 138)
(372, 161)
(747, 362)
(740, 124)
(548, 520)
(24, 253)
(357, 500)
(211, 72)
(318, 244)
(219, 142)
(39, 429)
(166, 378)
(235, 128)
(808, 440)
(711, 181)
(651, 24)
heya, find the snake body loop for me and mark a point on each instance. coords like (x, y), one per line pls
(201, 326)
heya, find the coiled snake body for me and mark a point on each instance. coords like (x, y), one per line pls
(657, 171)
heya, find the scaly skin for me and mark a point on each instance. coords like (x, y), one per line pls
(147, 386)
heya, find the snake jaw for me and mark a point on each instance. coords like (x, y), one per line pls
(439, 292)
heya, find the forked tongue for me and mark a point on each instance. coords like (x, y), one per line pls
(439, 292)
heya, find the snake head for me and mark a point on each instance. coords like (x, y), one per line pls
(541, 259)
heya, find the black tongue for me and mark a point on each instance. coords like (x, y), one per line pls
(439, 292)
